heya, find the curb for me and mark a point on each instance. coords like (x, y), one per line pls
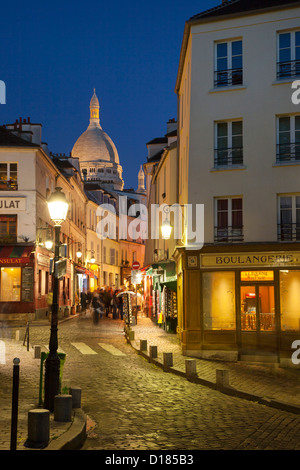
(74, 437)
(227, 390)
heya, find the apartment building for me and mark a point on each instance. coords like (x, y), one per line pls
(238, 154)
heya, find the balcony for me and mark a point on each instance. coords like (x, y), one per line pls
(228, 234)
(288, 232)
(288, 69)
(288, 153)
(228, 77)
(228, 157)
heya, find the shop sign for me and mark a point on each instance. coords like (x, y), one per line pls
(17, 204)
(250, 259)
(257, 275)
(14, 260)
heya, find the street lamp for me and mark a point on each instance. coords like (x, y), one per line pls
(166, 229)
(58, 209)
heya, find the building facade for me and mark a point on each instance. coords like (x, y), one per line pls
(238, 155)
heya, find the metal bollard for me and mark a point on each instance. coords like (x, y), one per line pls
(222, 377)
(14, 410)
(143, 345)
(37, 352)
(153, 352)
(168, 360)
(190, 368)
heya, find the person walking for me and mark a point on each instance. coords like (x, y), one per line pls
(96, 307)
(83, 301)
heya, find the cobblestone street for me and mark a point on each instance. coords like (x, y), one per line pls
(134, 405)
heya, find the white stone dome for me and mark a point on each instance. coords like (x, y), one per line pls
(94, 144)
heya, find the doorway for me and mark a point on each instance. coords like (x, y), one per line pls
(257, 318)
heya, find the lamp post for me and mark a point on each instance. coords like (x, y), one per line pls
(58, 209)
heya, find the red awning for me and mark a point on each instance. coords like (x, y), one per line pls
(15, 253)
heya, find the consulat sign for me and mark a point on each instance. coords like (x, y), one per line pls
(13, 203)
(250, 259)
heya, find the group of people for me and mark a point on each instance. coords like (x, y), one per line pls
(102, 302)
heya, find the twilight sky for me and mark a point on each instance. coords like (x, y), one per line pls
(53, 54)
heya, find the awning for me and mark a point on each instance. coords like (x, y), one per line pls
(20, 254)
(172, 285)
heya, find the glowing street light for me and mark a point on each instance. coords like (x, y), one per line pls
(58, 209)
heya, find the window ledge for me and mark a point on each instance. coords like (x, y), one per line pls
(227, 88)
(285, 81)
(279, 164)
(229, 167)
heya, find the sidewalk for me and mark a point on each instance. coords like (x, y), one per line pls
(268, 385)
(63, 435)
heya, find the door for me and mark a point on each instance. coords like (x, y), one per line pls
(257, 319)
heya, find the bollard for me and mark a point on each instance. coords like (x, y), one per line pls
(168, 360)
(38, 428)
(153, 352)
(190, 368)
(17, 335)
(76, 397)
(63, 408)
(14, 408)
(37, 352)
(131, 335)
(143, 345)
(222, 377)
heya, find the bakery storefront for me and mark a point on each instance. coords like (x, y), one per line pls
(249, 304)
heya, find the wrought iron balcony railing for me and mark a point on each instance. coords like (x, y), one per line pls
(228, 77)
(288, 232)
(288, 69)
(229, 234)
(229, 156)
(288, 152)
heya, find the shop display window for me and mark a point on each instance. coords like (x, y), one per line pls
(10, 287)
(290, 300)
(219, 301)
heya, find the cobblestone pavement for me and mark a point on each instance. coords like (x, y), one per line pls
(132, 404)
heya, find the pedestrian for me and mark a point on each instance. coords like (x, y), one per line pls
(96, 308)
(114, 305)
(83, 301)
(106, 301)
(120, 306)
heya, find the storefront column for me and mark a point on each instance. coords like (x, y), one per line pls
(188, 300)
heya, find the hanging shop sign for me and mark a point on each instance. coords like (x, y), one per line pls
(250, 259)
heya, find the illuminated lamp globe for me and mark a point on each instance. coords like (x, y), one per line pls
(58, 206)
(78, 254)
(48, 244)
(166, 229)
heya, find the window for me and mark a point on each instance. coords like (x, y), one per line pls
(8, 176)
(229, 143)
(8, 228)
(219, 315)
(112, 256)
(229, 63)
(229, 220)
(288, 62)
(10, 290)
(289, 218)
(290, 300)
(288, 139)
(104, 254)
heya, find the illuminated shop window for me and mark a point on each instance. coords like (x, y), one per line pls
(290, 300)
(219, 301)
(10, 287)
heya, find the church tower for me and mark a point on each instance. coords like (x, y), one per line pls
(97, 154)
